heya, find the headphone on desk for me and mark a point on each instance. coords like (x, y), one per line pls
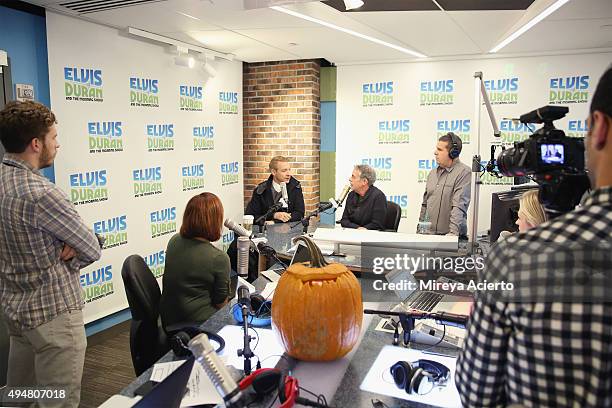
(267, 380)
(409, 376)
(455, 150)
(262, 311)
(180, 340)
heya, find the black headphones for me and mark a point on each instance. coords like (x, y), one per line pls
(455, 150)
(179, 341)
(409, 375)
(267, 380)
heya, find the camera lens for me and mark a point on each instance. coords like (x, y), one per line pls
(511, 163)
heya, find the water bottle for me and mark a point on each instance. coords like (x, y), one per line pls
(424, 226)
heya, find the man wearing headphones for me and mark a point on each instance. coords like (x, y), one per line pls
(447, 193)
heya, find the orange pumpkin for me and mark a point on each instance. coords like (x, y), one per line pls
(318, 310)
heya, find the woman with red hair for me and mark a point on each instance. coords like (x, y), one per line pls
(196, 280)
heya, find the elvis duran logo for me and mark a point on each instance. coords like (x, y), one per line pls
(97, 283)
(503, 91)
(377, 94)
(163, 222)
(114, 230)
(382, 165)
(83, 84)
(156, 262)
(203, 138)
(228, 103)
(402, 201)
(491, 180)
(190, 98)
(460, 127)
(230, 173)
(512, 131)
(574, 89)
(576, 128)
(160, 137)
(226, 240)
(144, 92)
(147, 181)
(193, 176)
(88, 187)
(424, 166)
(105, 137)
(439, 92)
(394, 131)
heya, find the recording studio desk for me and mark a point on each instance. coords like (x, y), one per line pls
(342, 378)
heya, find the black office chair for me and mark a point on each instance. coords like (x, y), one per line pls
(148, 340)
(393, 216)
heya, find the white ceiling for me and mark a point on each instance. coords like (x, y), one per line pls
(264, 34)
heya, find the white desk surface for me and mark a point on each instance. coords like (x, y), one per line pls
(352, 236)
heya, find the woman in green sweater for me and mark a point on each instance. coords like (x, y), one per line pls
(197, 275)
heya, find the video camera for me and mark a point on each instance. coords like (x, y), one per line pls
(553, 160)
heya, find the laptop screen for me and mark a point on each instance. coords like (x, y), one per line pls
(169, 393)
(398, 276)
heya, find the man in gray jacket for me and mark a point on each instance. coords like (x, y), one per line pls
(447, 193)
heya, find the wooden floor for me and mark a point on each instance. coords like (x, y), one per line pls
(108, 365)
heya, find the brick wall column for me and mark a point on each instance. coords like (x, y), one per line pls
(282, 115)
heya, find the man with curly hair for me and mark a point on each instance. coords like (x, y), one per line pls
(43, 245)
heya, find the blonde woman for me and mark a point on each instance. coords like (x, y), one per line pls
(531, 212)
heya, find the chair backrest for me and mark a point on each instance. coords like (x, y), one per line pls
(148, 341)
(393, 216)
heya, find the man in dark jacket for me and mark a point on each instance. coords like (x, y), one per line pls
(280, 189)
(366, 205)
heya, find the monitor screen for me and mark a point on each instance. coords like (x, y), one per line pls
(504, 213)
(552, 153)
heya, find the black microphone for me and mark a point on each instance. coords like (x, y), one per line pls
(274, 208)
(244, 297)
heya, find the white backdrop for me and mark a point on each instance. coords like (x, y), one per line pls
(139, 137)
(390, 116)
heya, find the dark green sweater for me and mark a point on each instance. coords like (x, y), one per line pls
(196, 277)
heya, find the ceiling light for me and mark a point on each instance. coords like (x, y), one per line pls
(548, 11)
(347, 31)
(183, 59)
(352, 4)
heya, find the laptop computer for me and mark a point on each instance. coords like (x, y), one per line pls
(426, 300)
(169, 393)
(301, 254)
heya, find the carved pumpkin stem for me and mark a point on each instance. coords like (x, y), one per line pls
(317, 260)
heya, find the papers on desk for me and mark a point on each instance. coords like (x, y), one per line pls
(268, 292)
(379, 379)
(268, 349)
(200, 390)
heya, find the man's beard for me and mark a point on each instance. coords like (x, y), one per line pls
(45, 159)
